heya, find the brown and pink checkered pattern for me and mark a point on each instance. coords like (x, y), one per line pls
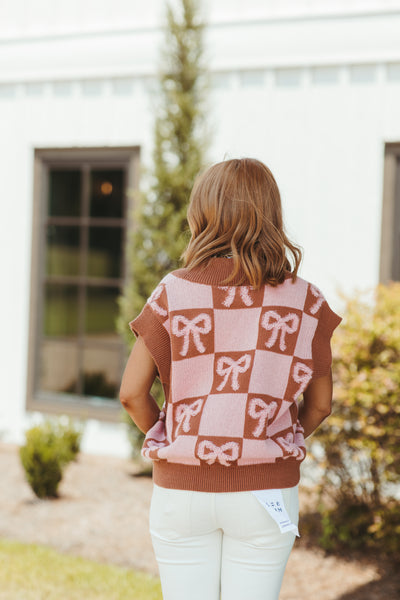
(233, 361)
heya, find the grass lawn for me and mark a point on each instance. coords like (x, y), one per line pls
(30, 572)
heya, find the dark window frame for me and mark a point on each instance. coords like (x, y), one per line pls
(127, 158)
(390, 230)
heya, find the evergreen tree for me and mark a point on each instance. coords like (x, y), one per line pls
(160, 231)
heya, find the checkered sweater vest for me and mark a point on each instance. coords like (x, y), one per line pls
(233, 362)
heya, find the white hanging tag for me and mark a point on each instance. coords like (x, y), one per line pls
(272, 501)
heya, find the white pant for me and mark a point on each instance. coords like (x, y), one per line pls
(212, 544)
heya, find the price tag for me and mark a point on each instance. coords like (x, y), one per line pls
(272, 501)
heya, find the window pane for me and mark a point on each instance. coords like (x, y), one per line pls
(62, 253)
(106, 197)
(61, 310)
(58, 367)
(101, 312)
(101, 372)
(105, 251)
(64, 193)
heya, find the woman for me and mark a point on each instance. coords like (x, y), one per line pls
(241, 345)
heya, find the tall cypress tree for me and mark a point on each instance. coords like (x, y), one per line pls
(159, 231)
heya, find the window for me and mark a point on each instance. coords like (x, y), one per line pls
(390, 236)
(76, 357)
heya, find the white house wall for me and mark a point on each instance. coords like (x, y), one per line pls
(311, 88)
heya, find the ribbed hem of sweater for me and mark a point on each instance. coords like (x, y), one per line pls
(217, 478)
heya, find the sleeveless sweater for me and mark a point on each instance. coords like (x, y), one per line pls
(234, 362)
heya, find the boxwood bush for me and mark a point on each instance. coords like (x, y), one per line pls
(48, 448)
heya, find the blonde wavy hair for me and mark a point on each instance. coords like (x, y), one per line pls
(235, 209)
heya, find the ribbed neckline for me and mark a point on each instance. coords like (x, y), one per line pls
(215, 272)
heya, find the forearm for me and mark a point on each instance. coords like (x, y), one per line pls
(311, 418)
(144, 411)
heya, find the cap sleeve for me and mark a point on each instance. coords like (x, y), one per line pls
(152, 324)
(321, 348)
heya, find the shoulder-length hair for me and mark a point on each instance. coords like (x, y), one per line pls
(235, 209)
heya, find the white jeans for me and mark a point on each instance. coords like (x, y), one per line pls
(219, 545)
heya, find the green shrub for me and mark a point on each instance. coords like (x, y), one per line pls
(346, 527)
(49, 447)
(71, 435)
(360, 440)
(358, 526)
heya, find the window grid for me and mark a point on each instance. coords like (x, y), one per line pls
(100, 406)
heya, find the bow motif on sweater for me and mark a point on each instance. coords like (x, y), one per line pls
(153, 301)
(263, 411)
(301, 374)
(233, 367)
(290, 447)
(273, 322)
(225, 454)
(231, 293)
(185, 412)
(195, 327)
(151, 446)
(320, 299)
